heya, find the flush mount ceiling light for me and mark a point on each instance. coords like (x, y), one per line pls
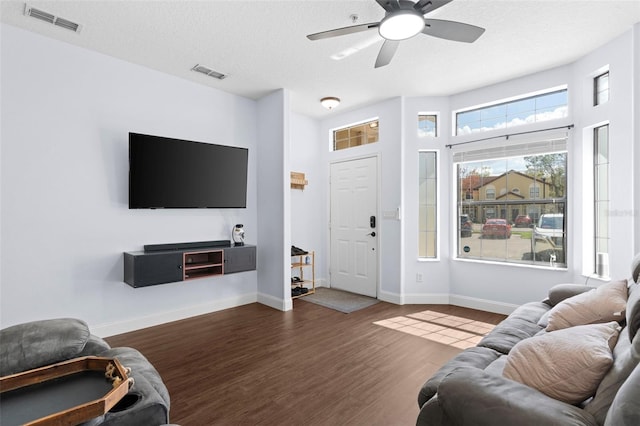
(330, 102)
(401, 24)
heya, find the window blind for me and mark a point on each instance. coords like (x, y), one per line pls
(544, 142)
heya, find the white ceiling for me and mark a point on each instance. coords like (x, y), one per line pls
(262, 47)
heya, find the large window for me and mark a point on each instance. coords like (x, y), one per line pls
(526, 227)
(360, 134)
(601, 195)
(532, 109)
(428, 204)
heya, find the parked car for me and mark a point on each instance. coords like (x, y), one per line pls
(522, 221)
(550, 227)
(466, 226)
(493, 228)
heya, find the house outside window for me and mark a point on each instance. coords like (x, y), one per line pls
(427, 125)
(534, 190)
(601, 192)
(601, 89)
(356, 135)
(526, 110)
(542, 242)
(428, 204)
(490, 193)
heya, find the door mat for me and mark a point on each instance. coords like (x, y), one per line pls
(339, 300)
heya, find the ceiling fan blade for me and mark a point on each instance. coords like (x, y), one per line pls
(451, 30)
(387, 51)
(389, 5)
(426, 6)
(343, 31)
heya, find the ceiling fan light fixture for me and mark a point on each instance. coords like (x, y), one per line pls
(330, 102)
(401, 25)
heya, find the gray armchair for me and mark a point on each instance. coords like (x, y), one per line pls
(40, 343)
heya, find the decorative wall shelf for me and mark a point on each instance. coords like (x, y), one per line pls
(298, 180)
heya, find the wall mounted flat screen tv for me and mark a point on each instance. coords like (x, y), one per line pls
(177, 174)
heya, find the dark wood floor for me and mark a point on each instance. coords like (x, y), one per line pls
(253, 365)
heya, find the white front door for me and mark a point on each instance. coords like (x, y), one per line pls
(354, 226)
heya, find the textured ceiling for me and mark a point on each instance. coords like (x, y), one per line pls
(262, 46)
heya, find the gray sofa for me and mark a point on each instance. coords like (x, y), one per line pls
(471, 389)
(36, 344)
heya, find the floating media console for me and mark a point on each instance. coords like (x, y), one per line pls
(167, 263)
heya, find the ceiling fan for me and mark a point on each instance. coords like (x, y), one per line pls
(404, 19)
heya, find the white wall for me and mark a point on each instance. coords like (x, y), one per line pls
(435, 274)
(309, 225)
(274, 212)
(66, 114)
(619, 56)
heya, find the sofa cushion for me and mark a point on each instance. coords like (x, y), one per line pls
(521, 324)
(633, 311)
(35, 344)
(635, 268)
(625, 409)
(566, 365)
(560, 292)
(473, 357)
(469, 396)
(497, 367)
(625, 359)
(603, 304)
(94, 346)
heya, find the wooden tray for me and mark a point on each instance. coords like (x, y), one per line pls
(66, 393)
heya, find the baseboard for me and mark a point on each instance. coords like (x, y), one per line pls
(111, 329)
(456, 300)
(275, 303)
(387, 296)
(321, 282)
(427, 299)
(482, 304)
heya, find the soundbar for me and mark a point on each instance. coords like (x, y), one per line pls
(187, 246)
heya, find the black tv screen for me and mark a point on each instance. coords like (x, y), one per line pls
(174, 174)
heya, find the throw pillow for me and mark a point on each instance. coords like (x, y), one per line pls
(566, 365)
(603, 304)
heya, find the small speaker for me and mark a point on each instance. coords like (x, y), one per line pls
(602, 264)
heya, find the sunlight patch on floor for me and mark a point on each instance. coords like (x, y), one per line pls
(447, 329)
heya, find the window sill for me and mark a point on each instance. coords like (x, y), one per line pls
(595, 277)
(428, 259)
(517, 265)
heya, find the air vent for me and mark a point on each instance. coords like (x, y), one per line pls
(208, 71)
(52, 19)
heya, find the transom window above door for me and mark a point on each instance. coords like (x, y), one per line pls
(356, 135)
